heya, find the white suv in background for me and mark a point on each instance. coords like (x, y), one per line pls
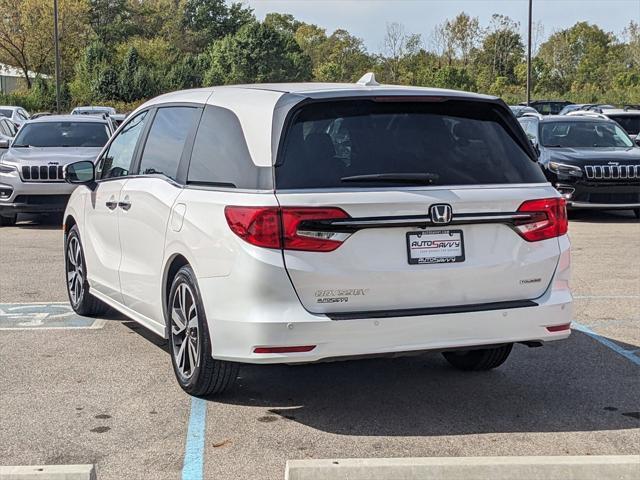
(17, 115)
(295, 223)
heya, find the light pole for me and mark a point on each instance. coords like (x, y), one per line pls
(529, 56)
(57, 49)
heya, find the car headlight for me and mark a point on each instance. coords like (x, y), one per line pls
(5, 168)
(564, 169)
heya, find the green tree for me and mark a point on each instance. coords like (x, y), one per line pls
(581, 54)
(500, 53)
(210, 20)
(344, 59)
(256, 53)
(111, 20)
(283, 22)
(26, 30)
(107, 87)
(457, 78)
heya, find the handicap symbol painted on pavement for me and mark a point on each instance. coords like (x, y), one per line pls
(41, 316)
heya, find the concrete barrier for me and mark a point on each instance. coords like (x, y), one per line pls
(622, 467)
(48, 472)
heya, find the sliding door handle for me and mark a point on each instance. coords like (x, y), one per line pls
(124, 205)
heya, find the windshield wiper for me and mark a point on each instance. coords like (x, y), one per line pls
(421, 178)
(20, 146)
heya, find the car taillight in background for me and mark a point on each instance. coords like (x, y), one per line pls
(280, 227)
(548, 219)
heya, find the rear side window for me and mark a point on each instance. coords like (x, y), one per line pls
(167, 136)
(220, 155)
(334, 144)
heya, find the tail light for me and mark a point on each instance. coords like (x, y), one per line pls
(548, 219)
(281, 227)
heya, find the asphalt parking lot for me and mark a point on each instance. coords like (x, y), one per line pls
(104, 392)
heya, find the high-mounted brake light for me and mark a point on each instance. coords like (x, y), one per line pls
(548, 219)
(283, 227)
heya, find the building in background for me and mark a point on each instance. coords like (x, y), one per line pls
(12, 78)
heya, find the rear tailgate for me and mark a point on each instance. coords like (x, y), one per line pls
(385, 162)
(371, 270)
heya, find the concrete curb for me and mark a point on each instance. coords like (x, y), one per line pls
(48, 472)
(618, 467)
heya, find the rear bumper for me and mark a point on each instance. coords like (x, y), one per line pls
(335, 339)
(238, 326)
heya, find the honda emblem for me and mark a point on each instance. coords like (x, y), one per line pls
(440, 213)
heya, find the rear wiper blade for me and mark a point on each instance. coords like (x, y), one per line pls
(423, 178)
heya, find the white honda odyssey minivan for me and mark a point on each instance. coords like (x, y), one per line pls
(295, 223)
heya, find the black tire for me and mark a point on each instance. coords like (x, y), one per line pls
(197, 372)
(8, 221)
(82, 302)
(477, 360)
(636, 211)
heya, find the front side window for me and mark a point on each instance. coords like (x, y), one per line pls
(584, 135)
(116, 162)
(166, 140)
(369, 143)
(63, 134)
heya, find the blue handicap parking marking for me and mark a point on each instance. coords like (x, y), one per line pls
(22, 316)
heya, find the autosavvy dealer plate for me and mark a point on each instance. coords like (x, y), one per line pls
(435, 246)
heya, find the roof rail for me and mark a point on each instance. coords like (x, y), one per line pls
(531, 114)
(368, 80)
(586, 113)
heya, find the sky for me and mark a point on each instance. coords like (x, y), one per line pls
(367, 19)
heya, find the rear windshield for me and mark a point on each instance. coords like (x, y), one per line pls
(367, 143)
(584, 135)
(62, 134)
(631, 123)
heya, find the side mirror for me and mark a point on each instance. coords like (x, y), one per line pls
(82, 173)
(4, 143)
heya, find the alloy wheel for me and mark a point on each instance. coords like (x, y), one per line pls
(75, 271)
(184, 331)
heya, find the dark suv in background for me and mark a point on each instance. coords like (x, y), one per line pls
(548, 107)
(590, 160)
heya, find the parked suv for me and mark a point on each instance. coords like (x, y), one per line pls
(7, 132)
(295, 223)
(627, 118)
(31, 171)
(589, 159)
(17, 115)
